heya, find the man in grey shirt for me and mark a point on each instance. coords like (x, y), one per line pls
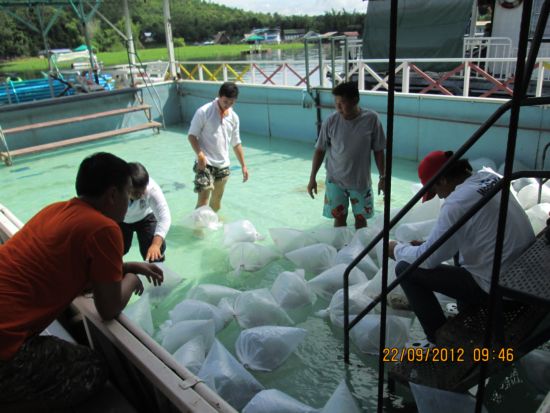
(347, 138)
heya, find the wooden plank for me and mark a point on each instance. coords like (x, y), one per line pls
(82, 139)
(75, 119)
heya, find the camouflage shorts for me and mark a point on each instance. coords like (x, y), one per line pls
(48, 371)
(204, 180)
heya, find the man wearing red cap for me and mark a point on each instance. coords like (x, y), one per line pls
(470, 282)
(347, 137)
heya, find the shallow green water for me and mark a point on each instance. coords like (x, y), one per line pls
(275, 196)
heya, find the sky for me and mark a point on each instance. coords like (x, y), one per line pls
(289, 7)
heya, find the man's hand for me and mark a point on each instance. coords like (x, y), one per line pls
(138, 287)
(201, 161)
(391, 249)
(312, 187)
(381, 185)
(152, 272)
(245, 173)
(153, 253)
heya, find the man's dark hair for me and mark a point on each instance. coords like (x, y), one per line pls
(99, 172)
(347, 90)
(460, 169)
(140, 176)
(229, 90)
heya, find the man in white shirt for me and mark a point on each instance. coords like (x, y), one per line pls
(348, 137)
(475, 242)
(213, 128)
(148, 216)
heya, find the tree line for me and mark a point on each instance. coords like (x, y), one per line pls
(192, 21)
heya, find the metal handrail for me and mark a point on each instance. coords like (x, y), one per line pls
(543, 162)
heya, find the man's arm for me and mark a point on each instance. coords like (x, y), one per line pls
(110, 298)
(318, 157)
(379, 158)
(239, 153)
(161, 211)
(201, 157)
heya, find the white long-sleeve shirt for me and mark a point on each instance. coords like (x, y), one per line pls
(476, 239)
(152, 201)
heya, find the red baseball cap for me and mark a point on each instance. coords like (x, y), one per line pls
(428, 167)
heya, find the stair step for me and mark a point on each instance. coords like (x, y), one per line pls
(82, 139)
(75, 119)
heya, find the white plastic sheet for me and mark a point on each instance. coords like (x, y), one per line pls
(246, 256)
(314, 258)
(289, 239)
(291, 290)
(431, 400)
(227, 377)
(199, 310)
(366, 334)
(331, 280)
(211, 293)
(180, 333)
(240, 231)
(275, 401)
(202, 218)
(258, 308)
(341, 401)
(268, 347)
(192, 354)
(140, 313)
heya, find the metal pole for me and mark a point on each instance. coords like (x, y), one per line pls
(129, 35)
(40, 17)
(169, 39)
(93, 68)
(321, 77)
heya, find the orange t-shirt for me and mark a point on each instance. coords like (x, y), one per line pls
(49, 262)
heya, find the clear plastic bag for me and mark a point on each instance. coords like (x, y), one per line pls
(347, 254)
(227, 377)
(414, 230)
(366, 334)
(331, 280)
(140, 313)
(240, 231)
(275, 401)
(265, 348)
(338, 237)
(192, 354)
(431, 400)
(259, 308)
(246, 256)
(341, 401)
(291, 290)
(314, 258)
(528, 196)
(202, 218)
(211, 293)
(180, 333)
(538, 215)
(199, 310)
(480, 163)
(289, 239)
(358, 301)
(171, 280)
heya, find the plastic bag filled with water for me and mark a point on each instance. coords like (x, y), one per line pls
(347, 254)
(240, 231)
(414, 231)
(366, 334)
(227, 377)
(203, 217)
(180, 333)
(192, 354)
(431, 400)
(275, 401)
(211, 293)
(314, 258)
(528, 196)
(535, 367)
(338, 237)
(396, 297)
(246, 256)
(480, 163)
(291, 290)
(199, 310)
(140, 313)
(171, 280)
(538, 215)
(266, 348)
(341, 401)
(331, 280)
(289, 239)
(258, 308)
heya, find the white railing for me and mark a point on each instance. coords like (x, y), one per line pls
(472, 76)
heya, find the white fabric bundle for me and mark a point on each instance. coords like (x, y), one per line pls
(335, 236)
(341, 401)
(192, 354)
(291, 290)
(275, 401)
(331, 280)
(180, 333)
(227, 377)
(246, 256)
(288, 239)
(313, 258)
(199, 310)
(414, 230)
(266, 348)
(211, 293)
(347, 254)
(203, 217)
(366, 333)
(140, 313)
(259, 308)
(240, 231)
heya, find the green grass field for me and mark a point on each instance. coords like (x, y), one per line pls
(186, 53)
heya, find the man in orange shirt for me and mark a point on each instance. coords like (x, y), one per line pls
(67, 248)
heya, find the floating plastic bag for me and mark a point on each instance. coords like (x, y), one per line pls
(275, 401)
(259, 308)
(171, 280)
(538, 215)
(528, 197)
(246, 256)
(431, 400)
(335, 236)
(414, 230)
(535, 367)
(291, 290)
(423, 211)
(366, 334)
(480, 163)
(140, 313)
(203, 217)
(240, 231)
(199, 310)
(266, 348)
(288, 239)
(341, 401)
(180, 333)
(364, 237)
(192, 354)
(358, 301)
(396, 297)
(518, 166)
(227, 377)
(520, 183)
(347, 254)
(331, 280)
(314, 258)
(211, 293)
